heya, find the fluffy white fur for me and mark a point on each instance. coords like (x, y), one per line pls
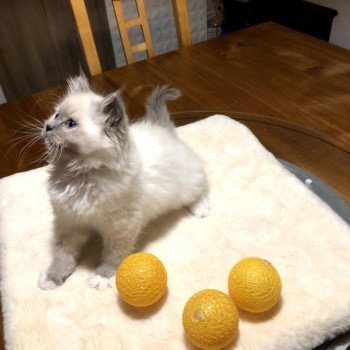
(109, 177)
(257, 209)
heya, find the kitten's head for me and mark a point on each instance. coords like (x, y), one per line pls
(85, 124)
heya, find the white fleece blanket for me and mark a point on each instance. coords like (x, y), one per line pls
(257, 209)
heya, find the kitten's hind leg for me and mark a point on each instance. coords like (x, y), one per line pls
(201, 207)
(66, 251)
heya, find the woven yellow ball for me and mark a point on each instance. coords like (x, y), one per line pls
(141, 279)
(255, 285)
(210, 319)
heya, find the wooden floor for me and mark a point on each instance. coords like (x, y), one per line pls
(292, 90)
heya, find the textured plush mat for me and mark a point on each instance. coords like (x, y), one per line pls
(257, 209)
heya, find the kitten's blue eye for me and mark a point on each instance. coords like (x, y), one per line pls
(71, 124)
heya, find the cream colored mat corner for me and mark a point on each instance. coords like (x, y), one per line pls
(257, 209)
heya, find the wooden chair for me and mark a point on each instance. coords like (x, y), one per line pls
(87, 39)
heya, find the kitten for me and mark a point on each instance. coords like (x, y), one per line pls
(111, 177)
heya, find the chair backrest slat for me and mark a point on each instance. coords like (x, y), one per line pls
(124, 25)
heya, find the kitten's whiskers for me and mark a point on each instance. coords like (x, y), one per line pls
(30, 133)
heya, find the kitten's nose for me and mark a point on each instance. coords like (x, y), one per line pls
(48, 127)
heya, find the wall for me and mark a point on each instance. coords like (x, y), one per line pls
(340, 34)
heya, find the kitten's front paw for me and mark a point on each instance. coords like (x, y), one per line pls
(46, 283)
(100, 282)
(201, 208)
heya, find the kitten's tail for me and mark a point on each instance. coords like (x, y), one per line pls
(157, 112)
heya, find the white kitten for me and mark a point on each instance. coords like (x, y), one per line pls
(112, 177)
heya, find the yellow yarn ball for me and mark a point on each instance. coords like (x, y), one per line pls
(210, 319)
(255, 285)
(141, 279)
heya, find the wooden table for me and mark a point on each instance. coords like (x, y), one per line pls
(292, 90)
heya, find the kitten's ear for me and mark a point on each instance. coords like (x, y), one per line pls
(113, 110)
(78, 84)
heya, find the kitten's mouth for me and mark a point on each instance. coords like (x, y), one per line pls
(50, 140)
(54, 145)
